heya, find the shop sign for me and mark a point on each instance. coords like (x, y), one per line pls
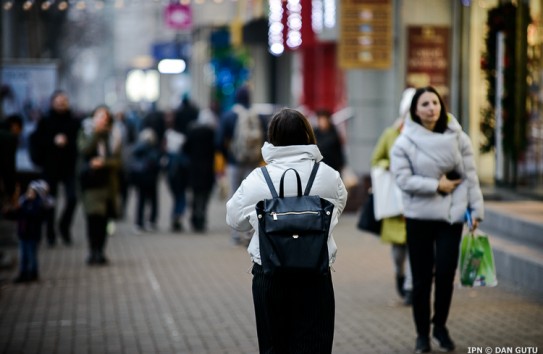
(428, 58)
(366, 34)
(178, 16)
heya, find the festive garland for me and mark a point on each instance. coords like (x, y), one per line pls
(502, 19)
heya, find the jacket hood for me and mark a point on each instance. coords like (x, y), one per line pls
(272, 153)
(442, 148)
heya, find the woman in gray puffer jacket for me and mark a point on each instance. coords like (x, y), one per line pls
(432, 161)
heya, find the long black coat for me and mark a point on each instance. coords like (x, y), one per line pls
(200, 149)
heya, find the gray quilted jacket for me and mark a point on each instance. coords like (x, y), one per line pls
(420, 157)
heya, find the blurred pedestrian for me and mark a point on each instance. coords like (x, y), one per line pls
(53, 148)
(240, 150)
(30, 213)
(10, 131)
(393, 228)
(186, 114)
(294, 313)
(144, 169)
(125, 131)
(200, 151)
(155, 120)
(176, 173)
(432, 161)
(329, 141)
(100, 161)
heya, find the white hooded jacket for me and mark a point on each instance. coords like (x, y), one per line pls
(240, 209)
(420, 157)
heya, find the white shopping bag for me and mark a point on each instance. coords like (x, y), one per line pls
(386, 194)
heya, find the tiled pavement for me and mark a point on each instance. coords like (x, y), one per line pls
(191, 293)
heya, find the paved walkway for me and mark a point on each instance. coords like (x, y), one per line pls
(190, 293)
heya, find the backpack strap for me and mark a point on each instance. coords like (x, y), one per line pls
(311, 178)
(269, 181)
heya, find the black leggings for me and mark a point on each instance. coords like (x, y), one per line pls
(294, 314)
(433, 247)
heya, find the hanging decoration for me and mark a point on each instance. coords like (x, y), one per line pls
(502, 19)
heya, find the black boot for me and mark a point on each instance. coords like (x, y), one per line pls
(399, 285)
(92, 259)
(21, 278)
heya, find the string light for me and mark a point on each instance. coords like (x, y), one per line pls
(294, 23)
(63, 5)
(8, 5)
(46, 5)
(81, 5)
(275, 28)
(27, 5)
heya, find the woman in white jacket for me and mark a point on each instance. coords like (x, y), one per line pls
(293, 314)
(432, 161)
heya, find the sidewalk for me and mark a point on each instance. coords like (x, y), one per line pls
(191, 293)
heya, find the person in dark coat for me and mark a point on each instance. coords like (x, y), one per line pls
(144, 169)
(186, 114)
(329, 141)
(53, 147)
(200, 150)
(10, 130)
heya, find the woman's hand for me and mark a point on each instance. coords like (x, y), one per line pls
(474, 225)
(446, 185)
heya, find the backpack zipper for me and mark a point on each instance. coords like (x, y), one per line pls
(275, 214)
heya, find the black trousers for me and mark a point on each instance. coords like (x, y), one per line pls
(147, 195)
(65, 222)
(294, 314)
(200, 201)
(433, 249)
(97, 233)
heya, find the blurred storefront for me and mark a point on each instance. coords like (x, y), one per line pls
(355, 54)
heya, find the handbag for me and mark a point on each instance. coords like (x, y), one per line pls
(293, 231)
(367, 221)
(387, 195)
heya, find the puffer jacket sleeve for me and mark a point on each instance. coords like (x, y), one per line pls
(341, 199)
(402, 169)
(239, 207)
(475, 196)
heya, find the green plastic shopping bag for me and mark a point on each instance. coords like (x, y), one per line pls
(476, 261)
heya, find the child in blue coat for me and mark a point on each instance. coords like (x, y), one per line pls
(30, 214)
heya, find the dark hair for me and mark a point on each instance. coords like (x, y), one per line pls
(57, 93)
(243, 96)
(108, 113)
(441, 124)
(290, 127)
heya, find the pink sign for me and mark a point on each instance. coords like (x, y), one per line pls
(178, 16)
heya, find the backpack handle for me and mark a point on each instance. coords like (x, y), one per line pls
(299, 183)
